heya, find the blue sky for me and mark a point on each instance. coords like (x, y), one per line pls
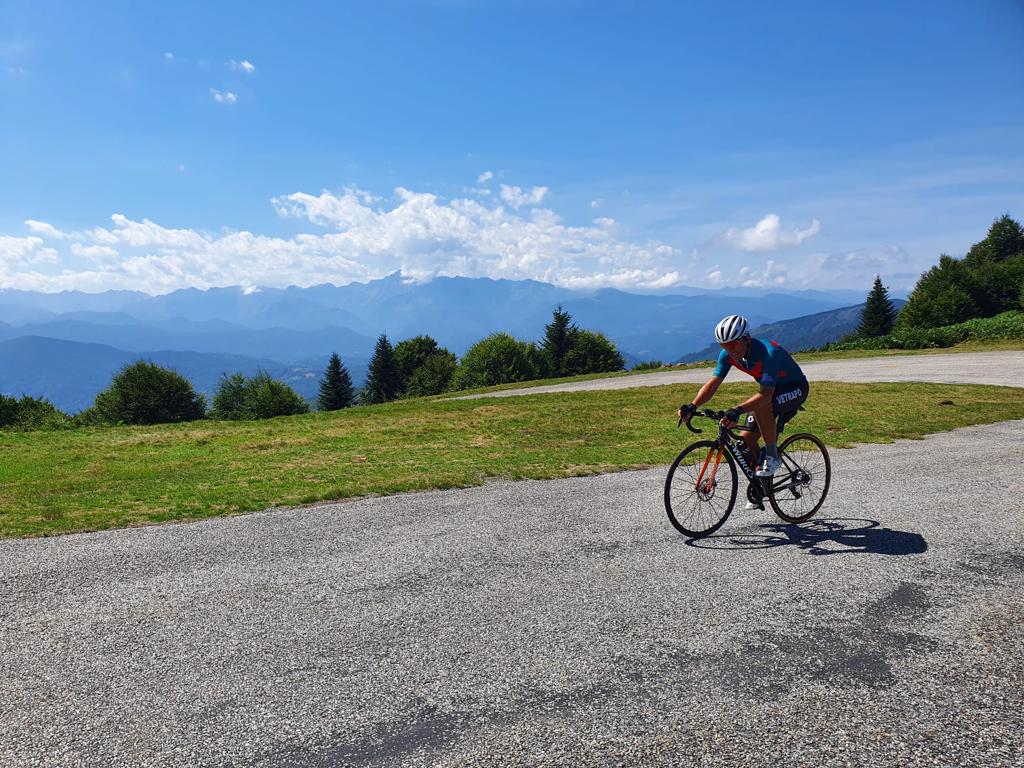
(638, 145)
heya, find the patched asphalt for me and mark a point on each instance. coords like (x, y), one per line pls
(1002, 368)
(539, 623)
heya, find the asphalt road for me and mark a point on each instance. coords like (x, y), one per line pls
(1004, 368)
(539, 623)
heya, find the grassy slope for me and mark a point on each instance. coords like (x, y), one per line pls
(89, 479)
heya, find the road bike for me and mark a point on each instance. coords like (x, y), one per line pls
(701, 486)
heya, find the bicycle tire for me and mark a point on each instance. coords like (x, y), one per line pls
(687, 493)
(803, 477)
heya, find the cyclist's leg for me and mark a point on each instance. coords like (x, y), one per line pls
(786, 404)
(750, 435)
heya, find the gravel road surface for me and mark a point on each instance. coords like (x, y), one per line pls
(539, 623)
(1005, 368)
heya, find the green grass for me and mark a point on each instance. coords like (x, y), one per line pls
(92, 479)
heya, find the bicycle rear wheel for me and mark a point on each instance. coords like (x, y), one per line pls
(801, 482)
(700, 489)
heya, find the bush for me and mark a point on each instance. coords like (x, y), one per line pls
(30, 413)
(497, 359)
(592, 353)
(649, 365)
(433, 376)
(260, 397)
(146, 393)
(424, 368)
(1008, 325)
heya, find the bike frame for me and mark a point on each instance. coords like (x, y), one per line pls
(726, 441)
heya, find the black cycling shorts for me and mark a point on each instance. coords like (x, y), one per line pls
(786, 401)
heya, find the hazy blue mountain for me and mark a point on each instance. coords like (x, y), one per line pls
(281, 344)
(291, 332)
(69, 373)
(800, 333)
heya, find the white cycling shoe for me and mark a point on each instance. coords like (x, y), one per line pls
(751, 506)
(768, 467)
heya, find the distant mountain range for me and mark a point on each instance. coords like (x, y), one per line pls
(291, 332)
(800, 333)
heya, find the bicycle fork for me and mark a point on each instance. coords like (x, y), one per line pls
(707, 485)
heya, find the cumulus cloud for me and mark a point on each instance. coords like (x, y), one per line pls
(47, 230)
(223, 97)
(484, 177)
(768, 235)
(357, 237)
(241, 66)
(21, 252)
(517, 198)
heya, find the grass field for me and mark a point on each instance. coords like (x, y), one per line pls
(92, 479)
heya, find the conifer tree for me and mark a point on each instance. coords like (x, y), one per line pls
(878, 316)
(383, 383)
(559, 336)
(335, 386)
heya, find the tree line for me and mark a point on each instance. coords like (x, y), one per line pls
(987, 281)
(146, 393)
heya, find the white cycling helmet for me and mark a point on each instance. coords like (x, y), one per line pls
(730, 329)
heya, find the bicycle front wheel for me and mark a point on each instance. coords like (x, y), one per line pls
(700, 489)
(801, 482)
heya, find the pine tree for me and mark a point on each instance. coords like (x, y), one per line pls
(559, 335)
(335, 386)
(383, 383)
(878, 316)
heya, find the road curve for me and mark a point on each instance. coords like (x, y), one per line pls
(539, 623)
(1005, 368)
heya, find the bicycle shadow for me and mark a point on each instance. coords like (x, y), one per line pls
(831, 536)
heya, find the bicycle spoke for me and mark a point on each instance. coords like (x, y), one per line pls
(700, 490)
(801, 489)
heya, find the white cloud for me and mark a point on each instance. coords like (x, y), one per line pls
(47, 230)
(418, 233)
(223, 97)
(484, 177)
(21, 252)
(767, 235)
(241, 66)
(596, 203)
(517, 198)
(102, 254)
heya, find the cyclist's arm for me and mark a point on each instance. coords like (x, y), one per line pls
(707, 391)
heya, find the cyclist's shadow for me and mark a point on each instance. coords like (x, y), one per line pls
(831, 536)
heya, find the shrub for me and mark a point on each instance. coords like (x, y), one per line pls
(1008, 325)
(496, 359)
(649, 365)
(592, 353)
(259, 397)
(433, 376)
(424, 368)
(146, 393)
(30, 413)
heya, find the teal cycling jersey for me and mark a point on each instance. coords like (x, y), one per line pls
(767, 362)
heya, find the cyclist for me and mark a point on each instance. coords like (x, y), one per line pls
(783, 389)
